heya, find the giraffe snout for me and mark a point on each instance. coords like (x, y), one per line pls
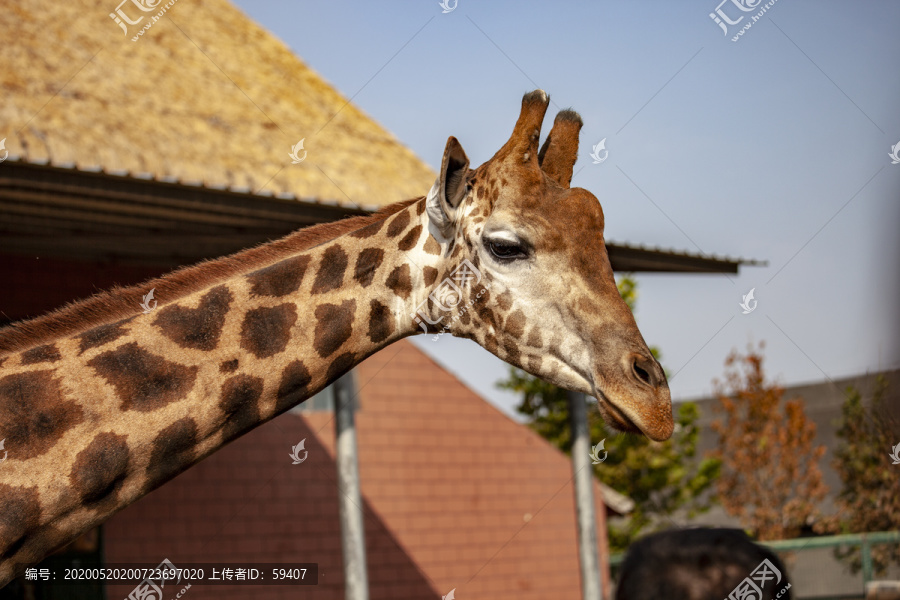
(635, 397)
(649, 405)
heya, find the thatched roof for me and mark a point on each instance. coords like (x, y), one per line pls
(204, 95)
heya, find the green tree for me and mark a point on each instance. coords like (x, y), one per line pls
(870, 497)
(660, 477)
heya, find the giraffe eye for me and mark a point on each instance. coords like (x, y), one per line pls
(504, 250)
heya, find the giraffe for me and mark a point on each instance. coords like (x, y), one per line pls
(101, 402)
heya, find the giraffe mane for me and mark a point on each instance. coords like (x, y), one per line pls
(120, 302)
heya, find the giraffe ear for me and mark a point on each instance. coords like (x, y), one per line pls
(560, 151)
(449, 189)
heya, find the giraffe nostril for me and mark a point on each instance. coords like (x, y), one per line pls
(641, 373)
(643, 369)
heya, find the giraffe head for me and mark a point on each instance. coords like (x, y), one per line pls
(552, 308)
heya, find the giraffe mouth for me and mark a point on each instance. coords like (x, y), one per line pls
(614, 416)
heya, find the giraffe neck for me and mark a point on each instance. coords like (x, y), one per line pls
(96, 420)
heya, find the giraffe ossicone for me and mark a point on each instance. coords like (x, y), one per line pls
(103, 403)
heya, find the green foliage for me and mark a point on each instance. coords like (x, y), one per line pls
(661, 477)
(628, 290)
(870, 498)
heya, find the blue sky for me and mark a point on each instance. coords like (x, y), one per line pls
(774, 147)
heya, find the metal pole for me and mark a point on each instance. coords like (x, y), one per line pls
(353, 541)
(588, 557)
(866, 560)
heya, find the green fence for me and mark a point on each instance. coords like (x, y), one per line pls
(864, 541)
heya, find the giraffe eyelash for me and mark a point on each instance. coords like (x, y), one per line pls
(506, 250)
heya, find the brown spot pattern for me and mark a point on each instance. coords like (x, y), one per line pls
(20, 516)
(339, 366)
(367, 263)
(44, 540)
(172, 451)
(512, 353)
(34, 413)
(490, 344)
(331, 270)
(408, 242)
(398, 224)
(515, 324)
(100, 469)
(240, 404)
(431, 246)
(266, 331)
(504, 300)
(487, 317)
(381, 322)
(430, 275)
(368, 230)
(280, 279)
(294, 386)
(400, 282)
(45, 353)
(104, 334)
(143, 381)
(420, 207)
(229, 366)
(334, 324)
(198, 328)
(534, 338)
